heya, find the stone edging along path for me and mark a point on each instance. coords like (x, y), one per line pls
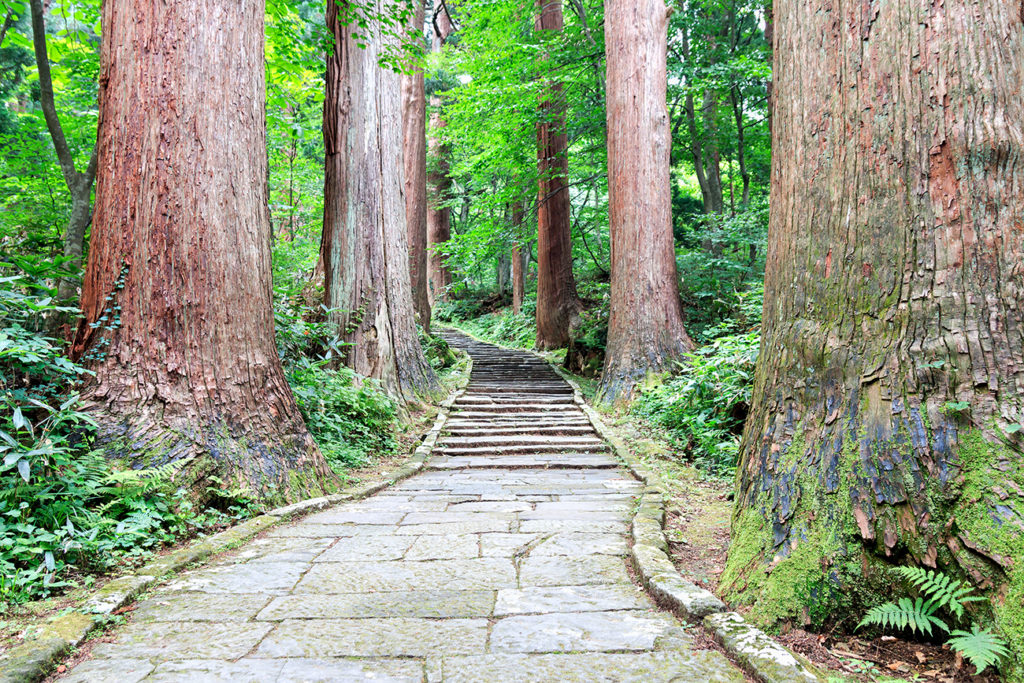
(34, 659)
(749, 646)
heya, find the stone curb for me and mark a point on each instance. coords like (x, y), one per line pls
(749, 646)
(756, 652)
(35, 658)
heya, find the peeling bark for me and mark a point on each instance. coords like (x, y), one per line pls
(366, 258)
(177, 293)
(892, 361)
(645, 329)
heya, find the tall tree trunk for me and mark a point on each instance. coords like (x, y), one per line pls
(888, 389)
(645, 329)
(503, 267)
(439, 215)
(558, 305)
(366, 258)
(79, 183)
(414, 120)
(712, 154)
(519, 256)
(769, 37)
(177, 293)
(736, 99)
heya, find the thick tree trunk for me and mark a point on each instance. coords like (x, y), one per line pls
(519, 256)
(366, 258)
(79, 183)
(414, 121)
(439, 215)
(645, 329)
(177, 294)
(890, 375)
(558, 305)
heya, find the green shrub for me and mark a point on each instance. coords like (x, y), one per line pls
(705, 405)
(505, 328)
(352, 420)
(65, 512)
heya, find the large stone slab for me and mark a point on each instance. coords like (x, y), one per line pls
(356, 577)
(579, 544)
(557, 526)
(120, 670)
(446, 547)
(506, 545)
(580, 631)
(448, 528)
(289, 671)
(275, 578)
(572, 571)
(341, 515)
(399, 637)
(427, 603)
(273, 549)
(367, 548)
(200, 607)
(706, 666)
(183, 640)
(539, 600)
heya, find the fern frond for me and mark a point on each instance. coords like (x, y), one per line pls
(945, 591)
(916, 614)
(980, 647)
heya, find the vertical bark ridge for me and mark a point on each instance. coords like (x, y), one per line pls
(366, 258)
(645, 329)
(177, 296)
(892, 361)
(558, 304)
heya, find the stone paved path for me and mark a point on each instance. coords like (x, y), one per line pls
(503, 561)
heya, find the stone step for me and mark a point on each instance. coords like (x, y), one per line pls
(519, 414)
(518, 407)
(518, 449)
(490, 429)
(503, 440)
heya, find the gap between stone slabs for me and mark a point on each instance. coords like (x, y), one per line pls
(34, 659)
(747, 645)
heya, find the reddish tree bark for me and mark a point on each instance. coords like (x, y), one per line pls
(645, 328)
(890, 380)
(177, 293)
(558, 305)
(366, 258)
(439, 215)
(414, 121)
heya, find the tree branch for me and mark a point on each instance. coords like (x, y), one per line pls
(8, 22)
(67, 162)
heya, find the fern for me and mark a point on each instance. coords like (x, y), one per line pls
(945, 591)
(916, 614)
(980, 647)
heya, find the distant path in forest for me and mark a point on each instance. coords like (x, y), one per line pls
(505, 560)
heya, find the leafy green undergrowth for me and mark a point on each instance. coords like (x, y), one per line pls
(351, 418)
(704, 406)
(67, 514)
(500, 327)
